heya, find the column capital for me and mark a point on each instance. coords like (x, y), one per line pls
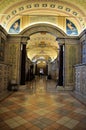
(57, 39)
(61, 41)
(24, 39)
(60, 44)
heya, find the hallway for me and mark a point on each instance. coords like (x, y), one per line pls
(41, 107)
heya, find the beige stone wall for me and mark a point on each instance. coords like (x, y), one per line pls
(72, 56)
(14, 57)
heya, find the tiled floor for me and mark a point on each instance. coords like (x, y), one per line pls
(42, 107)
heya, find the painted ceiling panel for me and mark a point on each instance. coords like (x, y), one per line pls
(41, 45)
(11, 10)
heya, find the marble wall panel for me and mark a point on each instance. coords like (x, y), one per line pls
(80, 79)
(14, 51)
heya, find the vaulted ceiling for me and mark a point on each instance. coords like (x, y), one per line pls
(43, 46)
(10, 10)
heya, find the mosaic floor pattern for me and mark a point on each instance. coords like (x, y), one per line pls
(40, 107)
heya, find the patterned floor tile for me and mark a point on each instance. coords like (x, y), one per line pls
(34, 128)
(71, 124)
(42, 107)
(64, 120)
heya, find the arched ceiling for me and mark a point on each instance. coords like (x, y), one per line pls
(10, 10)
(43, 46)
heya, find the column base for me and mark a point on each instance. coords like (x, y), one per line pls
(60, 88)
(67, 88)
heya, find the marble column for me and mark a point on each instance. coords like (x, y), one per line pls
(23, 58)
(36, 69)
(60, 74)
(46, 69)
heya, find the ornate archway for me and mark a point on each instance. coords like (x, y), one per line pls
(46, 27)
(55, 31)
(68, 42)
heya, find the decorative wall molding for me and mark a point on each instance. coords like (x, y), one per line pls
(30, 7)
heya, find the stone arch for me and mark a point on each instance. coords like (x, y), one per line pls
(46, 27)
(52, 29)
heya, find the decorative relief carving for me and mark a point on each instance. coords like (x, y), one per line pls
(5, 76)
(84, 52)
(44, 5)
(77, 84)
(38, 5)
(13, 59)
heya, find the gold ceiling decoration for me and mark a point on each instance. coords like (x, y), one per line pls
(42, 48)
(11, 10)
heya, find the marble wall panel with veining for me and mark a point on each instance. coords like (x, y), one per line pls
(80, 79)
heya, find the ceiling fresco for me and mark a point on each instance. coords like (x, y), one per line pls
(42, 46)
(11, 10)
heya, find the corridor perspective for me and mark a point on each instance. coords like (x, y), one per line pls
(41, 107)
(42, 64)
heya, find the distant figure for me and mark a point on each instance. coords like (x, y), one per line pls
(41, 73)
